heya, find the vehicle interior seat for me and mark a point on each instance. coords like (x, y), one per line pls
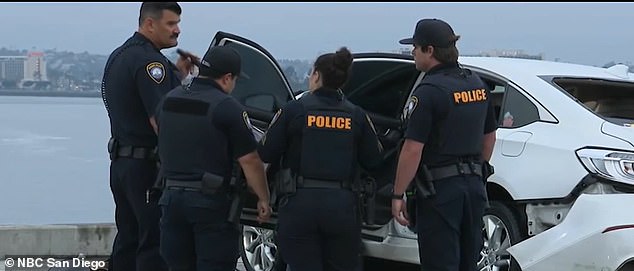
(616, 108)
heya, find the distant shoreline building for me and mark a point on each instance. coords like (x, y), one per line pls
(12, 69)
(24, 72)
(509, 54)
(491, 53)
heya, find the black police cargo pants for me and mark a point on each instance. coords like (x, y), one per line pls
(319, 229)
(449, 225)
(195, 233)
(136, 245)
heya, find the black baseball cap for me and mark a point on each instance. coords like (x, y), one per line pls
(433, 32)
(221, 60)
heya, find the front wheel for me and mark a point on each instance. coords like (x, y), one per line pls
(258, 250)
(500, 231)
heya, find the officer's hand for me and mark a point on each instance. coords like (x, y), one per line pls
(264, 211)
(186, 62)
(399, 212)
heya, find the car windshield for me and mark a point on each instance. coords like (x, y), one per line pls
(612, 100)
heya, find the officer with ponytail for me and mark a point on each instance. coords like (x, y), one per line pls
(320, 142)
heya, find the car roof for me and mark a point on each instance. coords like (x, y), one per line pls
(517, 69)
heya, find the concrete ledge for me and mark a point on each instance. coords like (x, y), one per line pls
(89, 239)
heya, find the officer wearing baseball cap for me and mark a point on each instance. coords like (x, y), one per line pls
(432, 32)
(221, 59)
(449, 139)
(201, 131)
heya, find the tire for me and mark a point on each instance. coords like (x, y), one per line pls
(258, 250)
(501, 230)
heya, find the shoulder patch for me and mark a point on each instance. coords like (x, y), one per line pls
(411, 105)
(247, 122)
(156, 71)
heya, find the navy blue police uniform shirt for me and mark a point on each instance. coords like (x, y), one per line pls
(431, 107)
(284, 135)
(137, 77)
(228, 117)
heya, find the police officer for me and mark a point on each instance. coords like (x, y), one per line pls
(322, 138)
(136, 76)
(450, 133)
(201, 131)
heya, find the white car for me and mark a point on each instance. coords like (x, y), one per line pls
(561, 196)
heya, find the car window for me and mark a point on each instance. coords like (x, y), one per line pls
(381, 87)
(517, 110)
(612, 100)
(264, 88)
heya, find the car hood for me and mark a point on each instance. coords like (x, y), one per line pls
(625, 131)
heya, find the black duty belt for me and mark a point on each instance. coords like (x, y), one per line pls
(314, 183)
(458, 169)
(183, 185)
(137, 152)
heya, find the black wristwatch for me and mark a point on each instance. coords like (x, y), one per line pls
(396, 196)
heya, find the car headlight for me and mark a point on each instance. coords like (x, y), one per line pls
(610, 164)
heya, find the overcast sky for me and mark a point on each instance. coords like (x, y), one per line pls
(585, 33)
